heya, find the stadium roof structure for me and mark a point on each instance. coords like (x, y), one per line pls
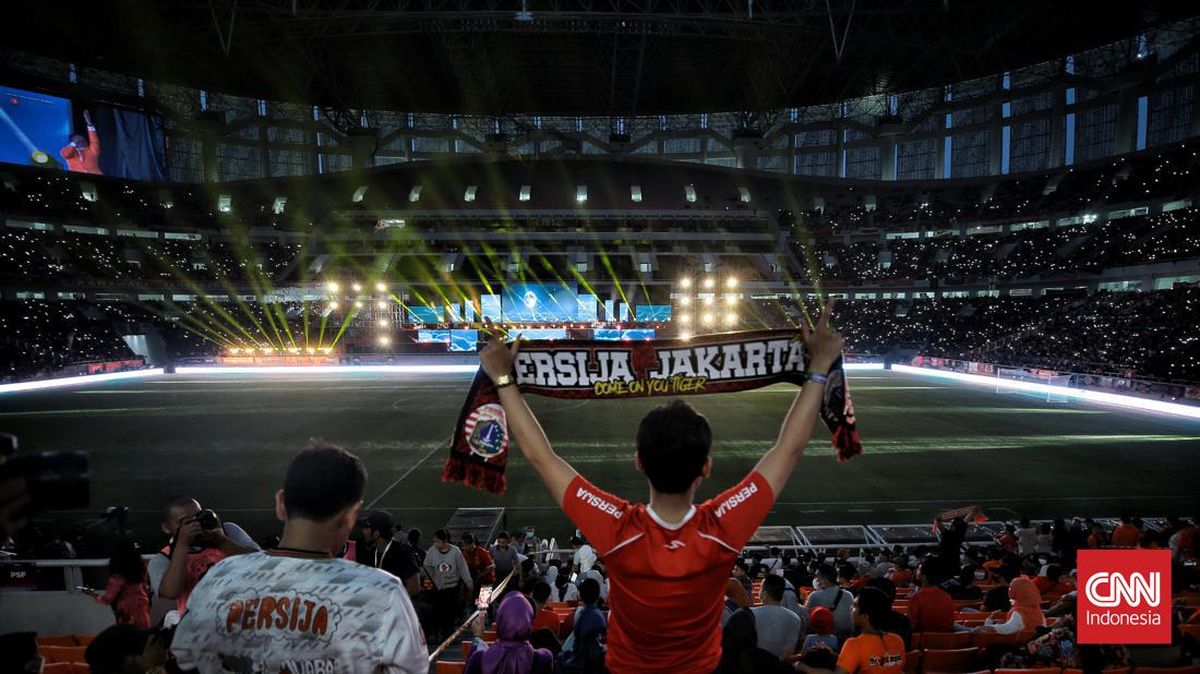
(571, 57)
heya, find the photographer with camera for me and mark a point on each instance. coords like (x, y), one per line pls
(198, 541)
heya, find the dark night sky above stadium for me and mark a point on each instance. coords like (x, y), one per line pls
(615, 57)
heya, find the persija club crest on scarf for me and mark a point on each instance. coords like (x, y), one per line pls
(723, 363)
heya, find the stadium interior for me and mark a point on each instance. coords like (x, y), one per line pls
(227, 228)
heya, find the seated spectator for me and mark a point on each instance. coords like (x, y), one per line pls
(584, 651)
(563, 590)
(902, 575)
(1098, 538)
(192, 549)
(996, 599)
(125, 649)
(127, 591)
(820, 622)
(874, 651)
(740, 652)
(931, 609)
(298, 606)
(388, 554)
(1026, 538)
(895, 622)
(1008, 540)
(545, 617)
(1128, 534)
(779, 629)
(884, 565)
(1050, 584)
(511, 653)
(1026, 613)
(832, 597)
(964, 586)
(736, 598)
(1045, 540)
(741, 573)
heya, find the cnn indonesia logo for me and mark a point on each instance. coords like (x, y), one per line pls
(1122, 597)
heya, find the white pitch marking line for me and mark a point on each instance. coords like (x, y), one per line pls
(406, 474)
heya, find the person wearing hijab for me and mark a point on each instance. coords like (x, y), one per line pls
(584, 651)
(874, 650)
(511, 654)
(1026, 613)
(736, 598)
(740, 653)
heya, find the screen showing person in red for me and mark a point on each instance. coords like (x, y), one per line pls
(669, 559)
(83, 153)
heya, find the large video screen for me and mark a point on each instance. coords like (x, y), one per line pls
(539, 303)
(652, 313)
(613, 334)
(541, 333)
(464, 340)
(433, 336)
(489, 307)
(424, 314)
(588, 309)
(33, 128)
(131, 144)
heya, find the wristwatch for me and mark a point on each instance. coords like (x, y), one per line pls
(504, 380)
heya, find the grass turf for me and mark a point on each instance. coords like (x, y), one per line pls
(930, 445)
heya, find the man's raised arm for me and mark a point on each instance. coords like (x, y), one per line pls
(824, 346)
(497, 360)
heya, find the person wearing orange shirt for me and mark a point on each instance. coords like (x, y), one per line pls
(931, 609)
(1128, 534)
(545, 618)
(83, 154)
(874, 651)
(668, 560)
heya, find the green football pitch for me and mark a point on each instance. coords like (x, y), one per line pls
(930, 445)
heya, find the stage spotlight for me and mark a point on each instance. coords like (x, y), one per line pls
(731, 299)
(708, 319)
(333, 306)
(381, 305)
(328, 349)
(383, 323)
(357, 287)
(708, 301)
(685, 283)
(685, 335)
(332, 286)
(685, 318)
(381, 287)
(731, 282)
(233, 351)
(311, 351)
(385, 341)
(358, 305)
(710, 282)
(730, 319)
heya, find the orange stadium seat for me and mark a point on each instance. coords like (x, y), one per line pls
(986, 639)
(912, 662)
(67, 654)
(1115, 670)
(83, 639)
(1191, 669)
(466, 649)
(58, 640)
(941, 640)
(952, 661)
(1190, 630)
(1039, 670)
(58, 668)
(447, 667)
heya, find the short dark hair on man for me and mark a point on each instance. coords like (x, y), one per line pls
(541, 592)
(323, 480)
(502, 534)
(673, 442)
(174, 502)
(773, 586)
(589, 591)
(442, 535)
(468, 539)
(875, 605)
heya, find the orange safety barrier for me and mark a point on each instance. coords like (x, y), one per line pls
(952, 661)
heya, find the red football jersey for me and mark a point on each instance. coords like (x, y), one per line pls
(667, 581)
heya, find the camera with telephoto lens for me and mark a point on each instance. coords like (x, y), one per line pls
(207, 520)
